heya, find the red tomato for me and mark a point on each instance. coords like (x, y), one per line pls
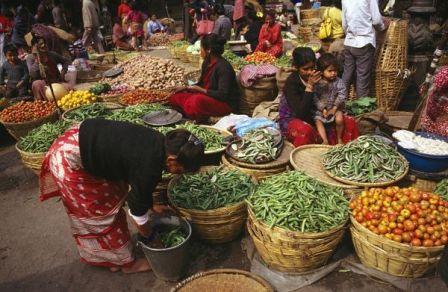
(416, 242)
(409, 225)
(428, 243)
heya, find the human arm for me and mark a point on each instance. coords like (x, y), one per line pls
(339, 102)
(25, 77)
(225, 75)
(298, 100)
(2, 76)
(59, 59)
(377, 19)
(277, 35)
(33, 66)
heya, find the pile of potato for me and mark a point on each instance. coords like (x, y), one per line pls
(149, 73)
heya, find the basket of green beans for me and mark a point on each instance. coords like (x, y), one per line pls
(366, 161)
(90, 111)
(134, 113)
(442, 189)
(213, 199)
(295, 221)
(35, 144)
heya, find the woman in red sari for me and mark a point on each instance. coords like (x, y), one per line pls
(270, 39)
(91, 167)
(216, 93)
(296, 104)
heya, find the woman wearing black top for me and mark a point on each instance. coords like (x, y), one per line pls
(253, 29)
(216, 93)
(91, 168)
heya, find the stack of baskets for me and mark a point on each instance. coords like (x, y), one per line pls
(290, 251)
(391, 65)
(310, 24)
(391, 257)
(263, 89)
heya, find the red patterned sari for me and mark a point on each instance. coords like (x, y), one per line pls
(94, 206)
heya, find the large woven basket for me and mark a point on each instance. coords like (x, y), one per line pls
(223, 133)
(183, 56)
(290, 251)
(391, 257)
(18, 130)
(263, 89)
(228, 280)
(214, 226)
(165, 92)
(110, 98)
(391, 65)
(194, 59)
(31, 160)
(265, 170)
(309, 13)
(89, 76)
(159, 195)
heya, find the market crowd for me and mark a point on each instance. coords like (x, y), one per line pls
(37, 48)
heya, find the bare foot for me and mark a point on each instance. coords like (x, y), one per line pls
(140, 265)
(325, 142)
(340, 142)
(114, 269)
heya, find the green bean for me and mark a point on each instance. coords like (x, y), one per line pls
(365, 160)
(40, 139)
(442, 189)
(257, 145)
(134, 113)
(297, 202)
(173, 237)
(212, 189)
(89, 111)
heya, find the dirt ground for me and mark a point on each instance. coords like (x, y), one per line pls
(38, 253)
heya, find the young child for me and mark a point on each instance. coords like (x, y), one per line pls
(16, 73)
(329, 98)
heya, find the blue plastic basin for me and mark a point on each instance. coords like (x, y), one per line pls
(424, 162)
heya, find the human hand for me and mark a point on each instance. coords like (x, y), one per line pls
(196, 88)
(332, 112)
(267, 44)
(325, 113)
(315, 77)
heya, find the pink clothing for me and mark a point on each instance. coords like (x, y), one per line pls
(238, 11)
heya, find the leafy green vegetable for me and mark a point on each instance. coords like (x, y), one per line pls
(361, 105)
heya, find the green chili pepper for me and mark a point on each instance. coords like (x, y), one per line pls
(40, 139)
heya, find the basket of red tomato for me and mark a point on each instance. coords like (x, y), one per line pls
(400, 231)
(24, 116)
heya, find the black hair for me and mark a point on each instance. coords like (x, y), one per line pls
(327, 60)
(252, 15)
(11, 48)
(302, 55)
(187, 147)
(214, 43)
(133, 5)
(271, 13)
(56, 2)
(219, 9)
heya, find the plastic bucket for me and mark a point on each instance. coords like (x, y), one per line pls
(169, 264)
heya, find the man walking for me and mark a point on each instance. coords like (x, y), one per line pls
(360, 18)
(91, 22)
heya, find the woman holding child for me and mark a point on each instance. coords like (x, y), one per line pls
(315, 98)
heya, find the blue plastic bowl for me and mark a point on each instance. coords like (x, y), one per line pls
(424, 162)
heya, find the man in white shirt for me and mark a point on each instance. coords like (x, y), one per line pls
(360, 18)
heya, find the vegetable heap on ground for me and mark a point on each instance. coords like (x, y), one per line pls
(90, 111)
(212, 189)
(144, 96)
(260, 58)
(40, 139)
(365, 160)
(236, 61)
(404, 215)
(159, 39)
(99, 88)
(211, 139)
(76, 98)
(257, 145)
(149, 72)
(283, 61)
(115, 90)
(362, 105)
(297, 202)
(134, 113)
(442, 189)
(173, 237)
(26, 111)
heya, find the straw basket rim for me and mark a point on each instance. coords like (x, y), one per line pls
(392, 243)
(104, 98)
(336, 183)
(308, 235)
(247, 274)
(6, 124)
(377, 184)
(223, 209)
(17, 146)
(107, 104)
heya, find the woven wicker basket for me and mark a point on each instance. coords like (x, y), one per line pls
(31, 160)
(108, 105)
(18, 130)
(214, 226)
(289, 251)
(89, 76)
(229, 280)
(102, 67)
(110, 98)
(309, 13)
(391, 78)
(314, 22)
(183, 56)
(305, 33)
(167, 92)
(159, 195)
(262, 171)
(263, 89)
(194, 59)
(391, 257)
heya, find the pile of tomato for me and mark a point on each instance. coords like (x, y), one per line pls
(260, 58)
(25, 111)
(405, 215)
(144, 96)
